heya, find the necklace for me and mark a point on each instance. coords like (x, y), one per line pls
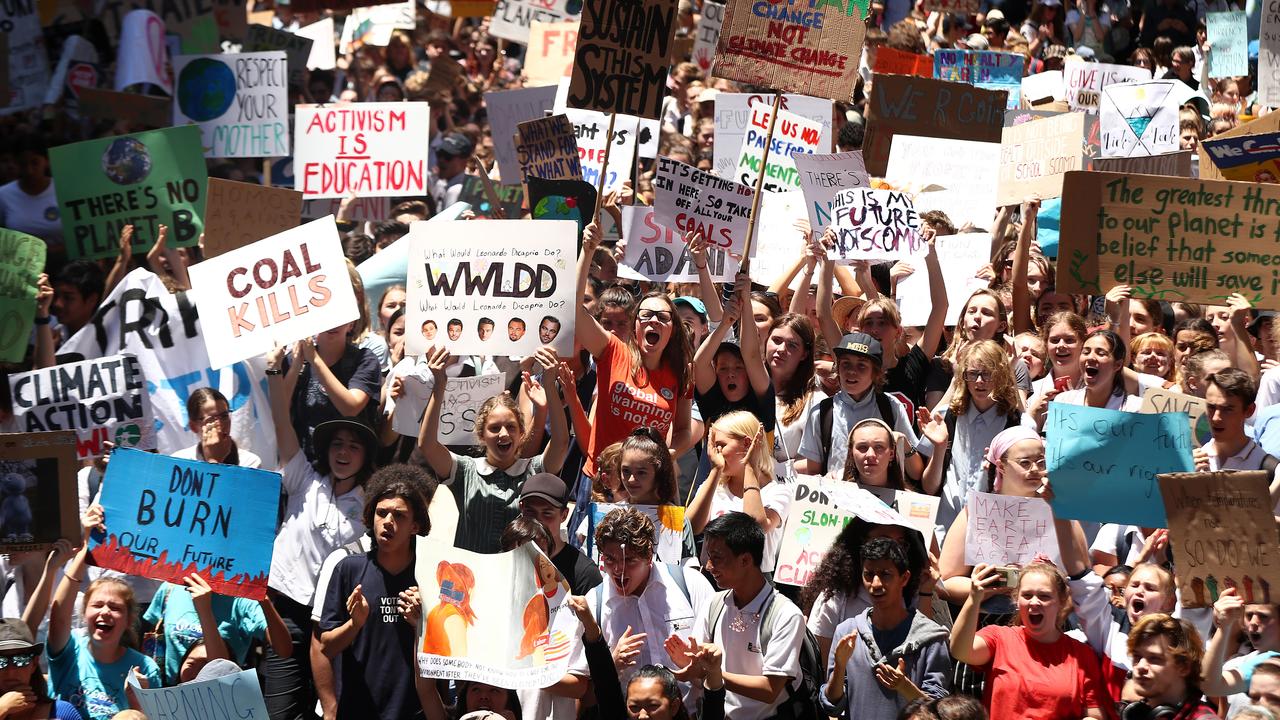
(739, 623)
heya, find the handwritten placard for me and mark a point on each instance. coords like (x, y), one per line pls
(239, 214)
(660, 254)
(708, 35)
(366, 149)
(1085, 81)
(547, 148)
(1008, 530)
(1159, 400)
(960, 257)
(906, 105)
(620, 63)
(239, 694)
(1139, 118)
(507, 109)
(1036, 156)
(792, 135)
(823, 177)
(297, 49)
(550, 54)
(21, 262)
(1269, 57)
(38, 499)
(688, 199)
(875, 225)
(513, 19)
(592, 128)
(1229, 35)
(733, 116)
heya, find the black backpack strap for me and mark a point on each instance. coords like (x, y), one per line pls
(949, 419)
(885, 405)
(826, 409)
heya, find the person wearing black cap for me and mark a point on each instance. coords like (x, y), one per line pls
(542, 498)
(452, 156)
(23, 691)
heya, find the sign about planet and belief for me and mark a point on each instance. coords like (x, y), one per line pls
(240, 102)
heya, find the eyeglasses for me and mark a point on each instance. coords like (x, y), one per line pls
(1027, 464)
(978, 375)
(16, 660)
(217, 417)
(662, 316)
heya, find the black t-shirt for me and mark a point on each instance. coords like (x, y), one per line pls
(310, 405)
(578, 569)
(907, 379)
(376, 675)
(713, 404)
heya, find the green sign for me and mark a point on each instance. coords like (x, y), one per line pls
(21, 262)
(147, 179)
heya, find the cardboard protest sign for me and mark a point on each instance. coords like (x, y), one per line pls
(276, 291)
(905, 105)
(1036, 156)
(26, 59)
(822, 177)
(322, 55)
(297, 49)
(143, 56)
(147, 110)
(874, 225)
(463, 397)
(733, 116)
(561, 200)
(660, 254)
(1269, 57)
(708, 35)
(21, 262)
(240, 102)
(1008, 530)
(1104, 463)
(668, 522)
(1177, 164)
(1265, 125)
(146, 179)
(620, 64)
(812, 53)
(193, 700)
(1229, 35)
(1043, 87)
(171, 517)
(1159, 400)
(104, 399)
(517, 630)
(359, 210)
(512, 19)
(1251, 158)
(238, 214)
(1223, 535)
(1172, 239)
(958, 177)
(39, 502)
(510, 198)
(507, 109)
(960, 257)
(890, 61)
(547, 148)
(550, 53)
(687, 199)
(1085, 81)
(1139, 118)
(591, 128)
(792, 135)
(472, 279)
(367, 149)
(445, 74)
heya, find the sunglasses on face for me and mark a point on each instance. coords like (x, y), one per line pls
(448, 592)
(16, 660)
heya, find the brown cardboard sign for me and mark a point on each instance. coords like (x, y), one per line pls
(548, 148)
(621, 62)
(550, 53)
(38, 500)
(909, 105)
(444, 75)
(146, 110)
(1223, 535)
(898, 62)
(1035, 156)
(238, 214)
(1176, 164)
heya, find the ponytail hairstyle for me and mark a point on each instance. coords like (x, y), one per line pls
(960, 337)
(648, 441)
(896, 478)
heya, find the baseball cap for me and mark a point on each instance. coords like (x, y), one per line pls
(977, 41)
(994, 15)
(692, 303)
(545, 486)
(860, 344)
(455, 145)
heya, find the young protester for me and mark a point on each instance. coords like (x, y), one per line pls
(1063, 335)
(1102, 362)
(1166, 656)
(209, 417)
(729, 377)
(873, 458)
(542, 498)
(24, 693)
(789, 356)
(327, 379)
(982, 318)
(1233, 678)
(1229, 402)
(1152, 354)
(647, 474)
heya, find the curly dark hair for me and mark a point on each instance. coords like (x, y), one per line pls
(629, 527)
(841, 568)
(409, 482)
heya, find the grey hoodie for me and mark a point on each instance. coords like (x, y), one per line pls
(928, 665)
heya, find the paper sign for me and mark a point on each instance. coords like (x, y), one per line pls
(143, 57)
(668, 523)
(905, 105)
(1269, 57)
(473, 278)
(21, 262)
(517, 630)
(1251, 158)
(978, 67)
(510, 198)
(512, 19)
(296, 48)
(777, 242)
(27, 59)
(890, 61)
(508, 109)
(919, 510)
(688, 199)
(79, 66)
(359, 210)
(1035, 156)
(767, 44)
(1229, 36)
(1172, 239)
(733, 116)
(1085, 81)
(550, 53)
(620, 64)
(39, 502)
(958, 177)
(105, 399)
(463, 397)
(1104, 463)
(591, 128)
(960, 256)
(547, 148)
(239, 214)
(1265, 125)
(374, 25)
(659, 253)
(240, 102)
(1159, 400)
(1044, 86)
(146, 179)
(1139, 119)
(167, 518)
(1222, 535)
(1007, 530)
(238, 693)
(792, 135)
(822, 177)
(276, 291)
(322, 55)
(875, 225)
(366, 149)
(145, 110)
(1177, 164)
(708, 35)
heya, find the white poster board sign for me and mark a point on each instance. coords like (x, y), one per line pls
(366, 149)
(1139, 119)
(960, 257)
(733, 115)
(792, 135)
(686, 198)
(507, 109)
(659, 254)
(822, 177)
(240, 101)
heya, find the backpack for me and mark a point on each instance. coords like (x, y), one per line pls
(801, 699)
(1013, 419)
(677, 576)
(826, 408)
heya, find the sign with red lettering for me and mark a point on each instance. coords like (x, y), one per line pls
(778, 45)
(621, 62)
(686, 198)
(792, 135)
(366, 149)
(660, 253)
(276, 291)
(550, 54)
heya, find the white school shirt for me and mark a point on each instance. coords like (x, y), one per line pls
(775, 496)
(660, 611)
(742, 652)
(247, 459)
(315, 524)
(845, 413)
(974, 432)
(1250, 457)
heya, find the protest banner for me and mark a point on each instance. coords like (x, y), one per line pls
(297, 49)
(143, 318)
(103, 104)
(463, 396)
(1171, 239)
(513, 19)
(792, 135)
(21, 262)
(906, 105)
(1223, 535)
(1265, 125)
(1042, 87)
(366, 149)
(104, 399)
(168, 518)
(374, 25)
(920, 511)
(507, 109)
(472, 280)
(1008, 530)
(145, 179)
(230, 696)
(39, 500)
(960, 257)
(1035, 156)
(1177, 164)
(320, 33)
(591, 128)
(510, 198)
(1085, 81)
(1104, 463)
(958, 177)
(240, 102)
(550, 53)
(238, 214)
(982, 68)
(547, 148)
(687, 199)
(811, 53)
(1139, 118)
(27, 60)
(1269, 57)
(1229, 35)
(708, 35)
(890, 61)
(668, 522)
(561, 200)
(287, 287)
(874, 225)
(822, 177)
(1159, 400)
(659, 253)
(517, 629)
(143, 57)
(620, 64)
(733, 116)
(1251, 158)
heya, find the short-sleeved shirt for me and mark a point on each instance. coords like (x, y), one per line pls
(906, 380)
(95, 689)
(1030, 680)
(845, 413)
(240, 621)
(577, 569)
(244, 457)
(310, 405)
(775, 496)
(713, 404)
(488, 499)
(624, 403)
(738, 633)
(315, 524)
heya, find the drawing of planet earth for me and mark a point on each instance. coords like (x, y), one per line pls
(126, 161)
(206, 89)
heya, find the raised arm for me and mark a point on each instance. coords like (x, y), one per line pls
(64, 600)
(437, 455)
(1227, 613)
(1117, 307)
(348, 402)
(1242, 355)
(710, 295)
(933, 426)
(938, 301)
(704, 369)
(280, 387)
(749, 336)
(1021, 258)
(558, 446)
(826, 321)
(590, 334)
(577, 413)
(121, 266)
(966, 646)
(44, 356)
(38, 604)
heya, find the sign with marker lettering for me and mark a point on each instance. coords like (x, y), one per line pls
(21, 262)
(550, 54)
(240, 102)
(620, 64)
(1159, 400)
(1035, 156)
(1104, 463)
(38, 499)
(1173, 239)
(239, 214)
(463, 396)
(708, 35)
(278, 290)
(1250, 158)
(547, 148)
(792, 135)
(507, 109)
(1229, 35)
(1007, 530)
(875, 225)
(146, 179)
(733, 117)
(958, 177)
(688, 199)
(238, 693)
(823, 177)
(591, 128)
(297, 49)
(908, 105)
(365, 149)
(659, 253)
(1269, 57)
(512, 19)
(167, 518)
(1140, 118)
(1085, 81)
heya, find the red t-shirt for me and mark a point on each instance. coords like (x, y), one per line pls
(622, 405)
(1029, 680)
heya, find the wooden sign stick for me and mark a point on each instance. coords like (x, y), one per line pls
(489, 192)
(745, 265)
(604, 168)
